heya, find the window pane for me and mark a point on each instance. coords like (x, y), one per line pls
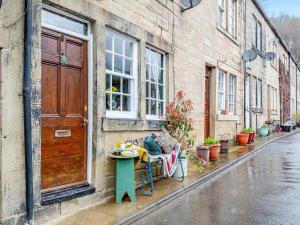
(161, 60)
(154, 74)
(161, 92)
(153, 91)
(118, 46)
(118, 64)
(147, 89)
(128, 66)
(108, 103)
(116, 84)
(108, 61)
(160, 76)
(128, 49)
(153, 58)
(108, 41)
(126, 86)
(62, 21)
(153, 107)
(161, 108)
(126, 103)
(116, 102)
(148, 55)
(147, 106)
(148, 71)
(107, 82)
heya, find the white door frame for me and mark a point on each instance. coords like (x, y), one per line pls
(89, 39)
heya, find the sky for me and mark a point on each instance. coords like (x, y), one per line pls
(276, 7)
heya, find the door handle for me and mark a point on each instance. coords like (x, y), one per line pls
(85, 121)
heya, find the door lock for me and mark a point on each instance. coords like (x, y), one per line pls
(85, 121)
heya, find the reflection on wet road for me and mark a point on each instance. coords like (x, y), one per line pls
(262, 190)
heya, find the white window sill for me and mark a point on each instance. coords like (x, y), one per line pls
(156, 118)
(229, 117)
(120, 115)
(227, 34)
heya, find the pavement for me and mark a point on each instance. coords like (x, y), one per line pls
(264, 189)
(168, 192)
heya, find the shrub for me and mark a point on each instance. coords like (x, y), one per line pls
(211, 141)
(179, 124)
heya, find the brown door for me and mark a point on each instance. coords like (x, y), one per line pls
(207, 103)
(64, 111)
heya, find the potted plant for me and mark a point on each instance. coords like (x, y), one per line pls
(242, 138)
(203, 152)
(180, 125)
(297, 119)
(224, 143)
(251, 133)
(264, 130)
(214, 148)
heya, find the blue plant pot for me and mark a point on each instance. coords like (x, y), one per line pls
(264, 132)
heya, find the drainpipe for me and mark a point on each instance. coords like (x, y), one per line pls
(27, 111)
(245, 66)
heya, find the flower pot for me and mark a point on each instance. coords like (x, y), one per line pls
(178, 171)
(242, 138)
(264, 131)
(203, 152)
(251, 136)
(298, 124)
(224, 146)
(214, 152)
(286, 128)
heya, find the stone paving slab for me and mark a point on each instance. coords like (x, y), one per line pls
(111, 213)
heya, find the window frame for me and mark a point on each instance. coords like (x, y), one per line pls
(232, 24)
(132, 114)
(257, 34)
(164, 54)
(225, 13)
(232, 94)
(223, 92)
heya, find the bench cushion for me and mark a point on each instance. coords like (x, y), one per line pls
(166, 141)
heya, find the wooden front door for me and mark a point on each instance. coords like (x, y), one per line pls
(207, 103)
(64, 111)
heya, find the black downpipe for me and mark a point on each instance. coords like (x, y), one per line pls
(27, 111)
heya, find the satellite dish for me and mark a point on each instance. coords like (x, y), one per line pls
(249, 55)
(269, 56)
(188, 4)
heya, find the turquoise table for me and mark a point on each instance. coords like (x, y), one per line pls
(125, 179)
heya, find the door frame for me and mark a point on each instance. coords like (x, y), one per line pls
(89, 39)
(209, 76)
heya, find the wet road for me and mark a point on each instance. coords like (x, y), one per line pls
(264, 190)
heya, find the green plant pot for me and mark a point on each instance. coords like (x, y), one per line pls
(264, 132)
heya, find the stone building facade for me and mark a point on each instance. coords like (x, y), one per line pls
(134, 56)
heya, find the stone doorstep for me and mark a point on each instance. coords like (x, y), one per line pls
(164, 201)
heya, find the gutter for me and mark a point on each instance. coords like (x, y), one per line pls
(27, 111)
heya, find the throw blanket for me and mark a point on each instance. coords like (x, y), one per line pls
(169, 160)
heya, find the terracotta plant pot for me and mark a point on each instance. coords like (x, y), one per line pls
(251, 136)
(214, 152)
(224, 146)
(242, 138)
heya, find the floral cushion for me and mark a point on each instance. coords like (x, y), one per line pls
(166, 141)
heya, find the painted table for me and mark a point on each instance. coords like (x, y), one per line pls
(125, 179)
